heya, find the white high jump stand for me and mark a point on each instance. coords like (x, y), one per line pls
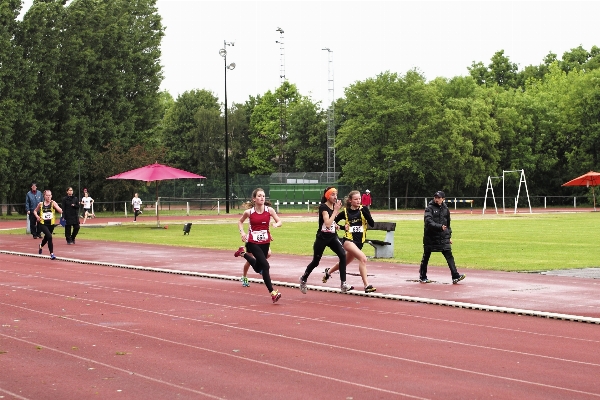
(522, 180)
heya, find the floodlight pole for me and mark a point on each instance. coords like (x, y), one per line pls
(223, 53)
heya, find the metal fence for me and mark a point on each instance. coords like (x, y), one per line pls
(217, 205)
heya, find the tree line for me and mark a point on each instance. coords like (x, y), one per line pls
(80, 101)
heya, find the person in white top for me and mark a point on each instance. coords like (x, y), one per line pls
(136, 202)
(87, 202)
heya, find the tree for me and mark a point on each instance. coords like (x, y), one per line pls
(500, 71)
(10, 99)
(193, 122)
(269, 127)
(306, 147)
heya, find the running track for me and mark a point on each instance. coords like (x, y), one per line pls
(73, 330)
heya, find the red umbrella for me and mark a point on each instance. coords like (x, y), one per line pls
(590, 179)
(154, 173)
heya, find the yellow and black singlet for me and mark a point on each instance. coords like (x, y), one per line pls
(358, 221)
(47, 214)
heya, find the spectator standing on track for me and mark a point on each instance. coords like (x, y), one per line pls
(32, 199)
(70, 210)
(366, 199)
(357, 218)
(258, 239)
(327, 237)
(136, 202)
(437, 236)
(45, 214)
(87, 202)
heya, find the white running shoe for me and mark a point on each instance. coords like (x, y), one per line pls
(345, 287)
(302, 286)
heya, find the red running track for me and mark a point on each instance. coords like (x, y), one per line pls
(73, 331)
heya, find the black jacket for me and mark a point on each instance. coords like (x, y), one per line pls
(70, 207)
(434, 238)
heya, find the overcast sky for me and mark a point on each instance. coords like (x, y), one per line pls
(439, 38)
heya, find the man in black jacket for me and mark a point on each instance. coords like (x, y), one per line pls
(437, 237)
(70, 207)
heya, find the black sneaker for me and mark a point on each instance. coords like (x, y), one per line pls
(425, 280)
(40, 249)
(370, 289)
(460, 278)
(326, 276)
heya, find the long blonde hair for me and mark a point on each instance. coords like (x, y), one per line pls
(349, 198)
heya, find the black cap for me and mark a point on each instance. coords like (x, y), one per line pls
(439, 193)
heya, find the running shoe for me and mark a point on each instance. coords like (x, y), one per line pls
(245, 282)
(302, 286)
(275, 295)
(460, 278)
(370, 289)
(345, 287)
(52, 256)
(326, 276)
(425, 280)
(39, 249)
(240, 252)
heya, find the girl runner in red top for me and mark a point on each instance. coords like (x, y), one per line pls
(258, 238)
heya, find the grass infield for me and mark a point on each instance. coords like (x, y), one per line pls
(511, 242)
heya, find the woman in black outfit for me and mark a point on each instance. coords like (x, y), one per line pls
(70, 206)
(327, 237)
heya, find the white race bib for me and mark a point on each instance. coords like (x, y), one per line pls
(330, 229)
(260, 236)
(47, 216)
(355, 229)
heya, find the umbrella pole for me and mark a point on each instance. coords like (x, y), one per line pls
(157, 219)
(594, 196)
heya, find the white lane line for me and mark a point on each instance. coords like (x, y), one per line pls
(424, 300)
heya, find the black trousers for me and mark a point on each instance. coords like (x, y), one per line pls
(33, 228)
(321, 242)
(449, 259)
(47, 230)
(71, 232)
(259, 262)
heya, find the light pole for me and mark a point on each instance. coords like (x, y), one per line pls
(223, 53)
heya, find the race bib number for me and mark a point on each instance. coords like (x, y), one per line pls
(46, 216)
(355, 229)
(330, 229)
(260, 236)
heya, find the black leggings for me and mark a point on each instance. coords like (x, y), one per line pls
(47, 230)
(259, 262)
(449, 259)
(333, 242)
(71, 232)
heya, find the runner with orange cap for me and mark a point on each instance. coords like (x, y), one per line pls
(327, 237)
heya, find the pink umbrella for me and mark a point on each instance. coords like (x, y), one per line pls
(590, 179)
(154, 173)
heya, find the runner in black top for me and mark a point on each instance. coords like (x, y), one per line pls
(45, 213)
(327, 237)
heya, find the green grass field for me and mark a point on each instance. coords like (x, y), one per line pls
(521, 242)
